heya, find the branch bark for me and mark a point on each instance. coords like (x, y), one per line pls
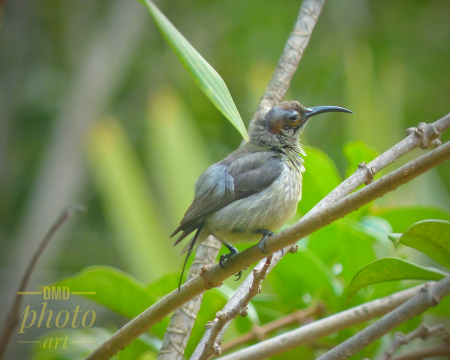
(260, 332)
(425, 353)
(250, 287)
(423, 331)
(213, 276)
(428, 297)
(274, 94)
(292, 53)
(320, 328)
(183, 319)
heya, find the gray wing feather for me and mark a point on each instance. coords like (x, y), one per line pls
(223, 183)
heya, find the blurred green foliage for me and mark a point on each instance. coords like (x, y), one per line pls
(155, 131)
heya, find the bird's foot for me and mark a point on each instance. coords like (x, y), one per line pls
(225, 257)
(262, 244)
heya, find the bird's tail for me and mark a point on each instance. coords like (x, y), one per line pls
(189, 248)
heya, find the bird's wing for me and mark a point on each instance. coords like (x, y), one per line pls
(227, 181)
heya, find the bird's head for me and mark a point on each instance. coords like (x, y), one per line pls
(282, 124)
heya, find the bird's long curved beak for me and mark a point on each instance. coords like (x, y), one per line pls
(313, 111)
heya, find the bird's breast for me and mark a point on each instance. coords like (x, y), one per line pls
(268, 209)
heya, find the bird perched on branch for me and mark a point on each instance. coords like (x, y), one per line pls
(255, 189)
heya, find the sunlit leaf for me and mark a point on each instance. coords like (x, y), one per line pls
(402, 217)
(432, 237)
(115, 290)
(302, 278)
(395, 238)
(390, 269)
(337, 245)
(204, 75)
(321, 176)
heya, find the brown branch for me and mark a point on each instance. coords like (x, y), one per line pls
(292, 53)
(237, 305)
(183, 319)
(213, 276)
(428, 297)
(425, 353)
(14, 313)
(260, 332)
(424, 136)
(310, 333)
(423, 331)
(275, 92)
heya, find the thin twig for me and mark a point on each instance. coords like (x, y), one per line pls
(260, 332)
(209, 344)
(14, 313)
(425, 353)
(423, 331)
(183, 319)
(311, 332)
(428, 297)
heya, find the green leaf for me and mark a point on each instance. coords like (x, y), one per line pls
(115, 290)
(356, 152)
(432, 237)
(203, 74)
(165, 285)
(395, 238)
(302, 278)
(391, 269)
(321, 176)
(112, 288)
(337, 244)
(402, 217)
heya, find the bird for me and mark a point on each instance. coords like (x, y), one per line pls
(254, 190)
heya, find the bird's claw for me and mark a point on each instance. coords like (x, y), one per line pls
(262, 243)
(224, 258)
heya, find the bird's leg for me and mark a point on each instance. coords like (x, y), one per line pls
(225, 257)
(262, 243)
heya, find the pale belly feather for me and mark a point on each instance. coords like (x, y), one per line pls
(269, 210)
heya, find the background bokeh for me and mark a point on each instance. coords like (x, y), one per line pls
(96, 109)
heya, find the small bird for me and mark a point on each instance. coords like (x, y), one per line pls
(255, 189)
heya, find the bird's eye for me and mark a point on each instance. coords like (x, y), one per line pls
(293, 117)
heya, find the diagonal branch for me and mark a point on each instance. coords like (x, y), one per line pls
(423, 331)
(428, 297)
(419, 354)
(424, 136)
(292, 53)
(309, 333)
(237, 305)
(260, 332)
(183, 319)
(274, 94)
(213, 276)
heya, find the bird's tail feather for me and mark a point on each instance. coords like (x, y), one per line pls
(186, 232)
(189, 248)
